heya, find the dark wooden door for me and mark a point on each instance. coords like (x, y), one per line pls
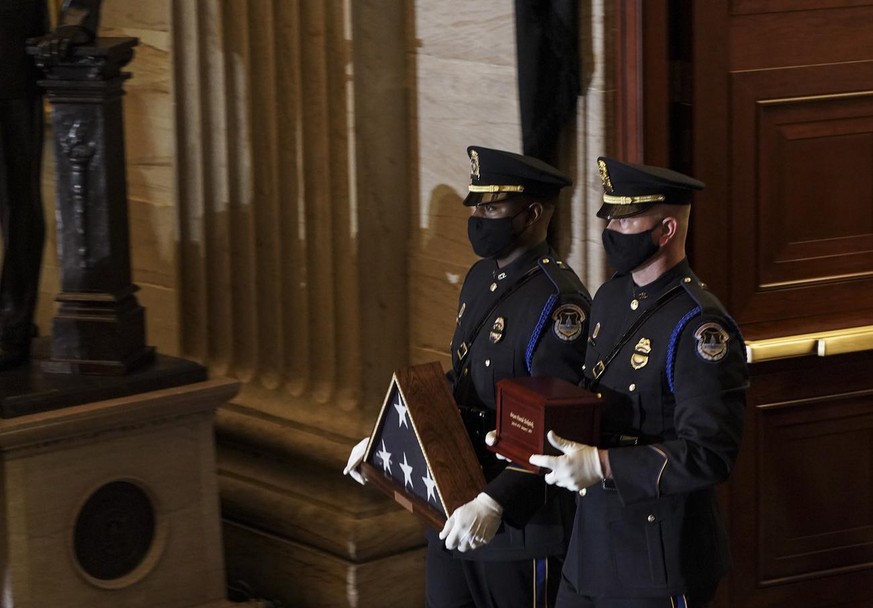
(770, 102)
(783, 133)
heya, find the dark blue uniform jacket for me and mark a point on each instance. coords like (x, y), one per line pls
(673, 420)
(540, 328)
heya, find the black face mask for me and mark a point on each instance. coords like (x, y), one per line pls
(489, 237)
(628, 251)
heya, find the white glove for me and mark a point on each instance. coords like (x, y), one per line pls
(355, 458)
(578, 468)
(490, 440)
(472, 524)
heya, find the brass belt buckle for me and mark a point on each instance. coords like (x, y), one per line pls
(598, 370)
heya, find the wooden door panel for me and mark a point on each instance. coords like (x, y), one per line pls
(802, 201)
(816, 460)
(800, 498)
(801, 37)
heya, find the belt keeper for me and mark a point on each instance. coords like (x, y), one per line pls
(598, 370)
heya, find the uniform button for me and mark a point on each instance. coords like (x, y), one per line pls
(634, 304)
(583, 491)
(493, 287)
(651, 518)
(632, 387)
(686, 280)
(487, 362)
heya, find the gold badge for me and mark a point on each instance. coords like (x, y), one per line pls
(474, 165)
(496, 334)
(712, 342)
(604, 176)
(641, 353)
(569, 320)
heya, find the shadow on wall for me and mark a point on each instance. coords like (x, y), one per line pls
(440, 256)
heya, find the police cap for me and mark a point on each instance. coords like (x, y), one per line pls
(496, 175)
(630, 189)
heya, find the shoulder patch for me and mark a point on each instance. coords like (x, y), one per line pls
(712, 341)
(569, 320)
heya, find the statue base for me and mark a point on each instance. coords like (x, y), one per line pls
(34, 387)
(114, 503)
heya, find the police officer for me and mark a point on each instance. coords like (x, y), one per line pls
(521, 312)
(670, 363)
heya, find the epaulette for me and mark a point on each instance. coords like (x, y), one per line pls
(562, 276)
(705, 299)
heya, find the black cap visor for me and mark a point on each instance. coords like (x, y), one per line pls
(483, 198)
(609, 211)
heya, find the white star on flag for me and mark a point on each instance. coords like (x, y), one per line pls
(385, 456)
(431, 484)
(401, 412)
(407, 472)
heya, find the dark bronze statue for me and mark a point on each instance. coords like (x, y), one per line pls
(21, 137)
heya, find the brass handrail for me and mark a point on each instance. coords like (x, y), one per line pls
(822, 344)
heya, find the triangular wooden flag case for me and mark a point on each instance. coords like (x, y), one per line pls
(419, 452)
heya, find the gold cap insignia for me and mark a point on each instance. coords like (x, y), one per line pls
(604, 176)
(474, 165)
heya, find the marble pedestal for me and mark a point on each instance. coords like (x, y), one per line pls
(114, 503)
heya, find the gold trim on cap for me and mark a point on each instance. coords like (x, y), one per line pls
(496, 188)
(611, 199)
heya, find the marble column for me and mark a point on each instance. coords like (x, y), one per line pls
(293, 170)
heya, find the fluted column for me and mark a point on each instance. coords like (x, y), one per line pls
(293, 279)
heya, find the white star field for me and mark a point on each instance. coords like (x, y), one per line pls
(431, 484)
(407, 472)
(398, 445)
(401, 413)
(385, 456)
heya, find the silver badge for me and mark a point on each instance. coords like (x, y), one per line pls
(496, 334)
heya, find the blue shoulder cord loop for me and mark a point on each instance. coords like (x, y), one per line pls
(674, 338)
(538, 330)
